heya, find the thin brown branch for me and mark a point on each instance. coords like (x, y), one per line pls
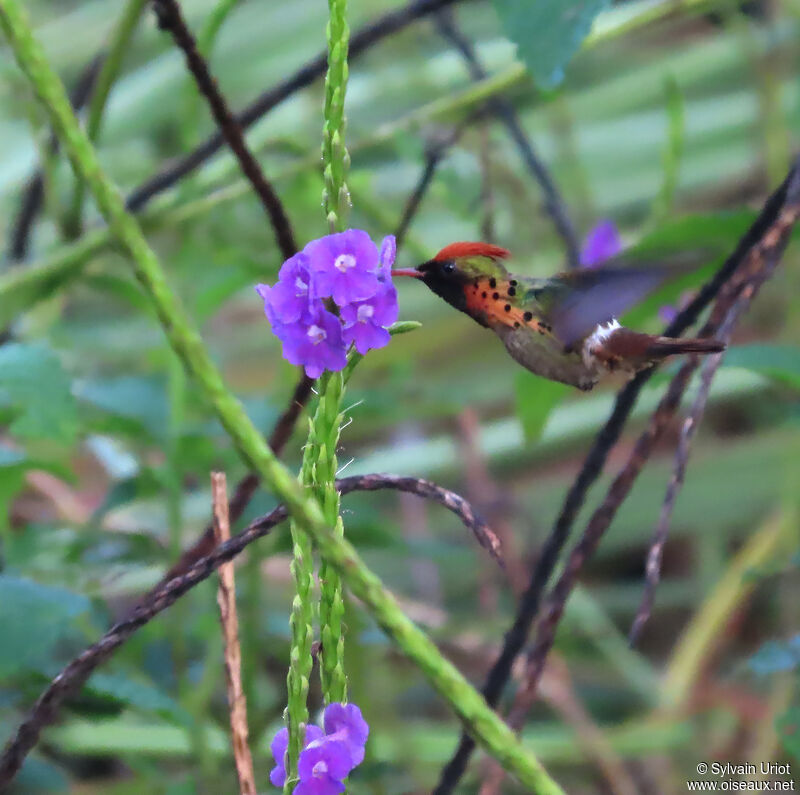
(170, 19)
(226, 599)
(33, 195)
(386, 25)
(591, 468)
(755, 270)
(75, 674)
(688, 431)
(437, 149)
(504, 110)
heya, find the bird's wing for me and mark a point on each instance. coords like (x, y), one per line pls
(575, 303)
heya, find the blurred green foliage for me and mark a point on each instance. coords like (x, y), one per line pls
(675, 129)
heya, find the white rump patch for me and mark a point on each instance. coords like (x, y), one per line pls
(596, 339)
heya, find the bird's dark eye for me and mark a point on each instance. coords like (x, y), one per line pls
(449, 267)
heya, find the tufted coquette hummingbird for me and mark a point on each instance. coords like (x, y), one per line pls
(564, 327)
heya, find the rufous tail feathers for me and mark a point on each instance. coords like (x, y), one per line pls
(632, 347)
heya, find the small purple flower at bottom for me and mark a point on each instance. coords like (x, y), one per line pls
(365, 321)
(346, 723)
(602, 243)
(279, 746)
(323, 765)
(327, 757)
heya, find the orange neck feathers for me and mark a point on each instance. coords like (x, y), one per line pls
(457, 250)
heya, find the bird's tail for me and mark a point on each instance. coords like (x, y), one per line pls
(668, 346)
(632, 350)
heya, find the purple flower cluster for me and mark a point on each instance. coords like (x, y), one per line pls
(328, 756)
(347, 268)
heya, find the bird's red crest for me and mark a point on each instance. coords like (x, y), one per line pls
(456, 250)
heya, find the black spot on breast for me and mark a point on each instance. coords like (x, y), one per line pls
(495, 296)
(512, 292)
(513, 282)
(507, 307)
(483, 294)
(516, 324)
(493, 282)
(527, 317)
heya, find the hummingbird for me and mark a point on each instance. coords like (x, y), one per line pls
(565, 327)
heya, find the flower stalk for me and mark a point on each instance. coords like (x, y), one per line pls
(328, 418)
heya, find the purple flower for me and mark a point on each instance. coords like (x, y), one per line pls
(279, 746)
(323, 766)
(667, 313)
(346, 723)
(387, 255)
(602, 243)
(344, 266)
(316, 343)
(327, 757)
(291, 298)
(365, 321)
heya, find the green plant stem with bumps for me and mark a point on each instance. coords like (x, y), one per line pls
(300, 625)
(325, 439)
(328, 420)
(480, 721)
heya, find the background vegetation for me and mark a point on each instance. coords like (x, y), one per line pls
(674, 120)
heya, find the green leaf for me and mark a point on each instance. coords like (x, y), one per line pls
(140, 400)
(548, 32)
(536, 397)
(37, 389)
(33, 619)
(136, 693)
(778, 362)
(776, 656)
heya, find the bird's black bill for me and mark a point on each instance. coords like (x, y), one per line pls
(411, 272)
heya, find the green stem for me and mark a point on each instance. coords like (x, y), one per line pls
(328, 419)
(112, 65)
(300, 624)
(480, 721)
(327, 422)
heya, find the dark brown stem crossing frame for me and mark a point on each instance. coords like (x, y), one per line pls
(504, 110)
(33, 195)
(75, 674)
(171, 20)
(605, 440)
(361, 40)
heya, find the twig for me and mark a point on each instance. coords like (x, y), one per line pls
(505, 112)
(170, 19)
(31, 201)
(590, 470)
(226, 599)
(430, 491)
(75, 674)
(756, 270)
(361, 40)
(436, 152)
(688, 431)
(559, 693)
